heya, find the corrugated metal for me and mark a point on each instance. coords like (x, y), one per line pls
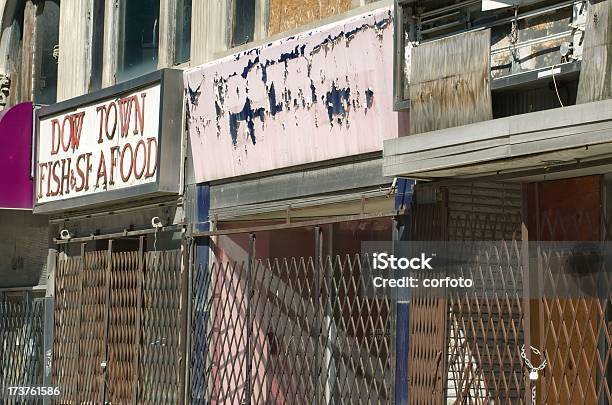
(532, 99)
(596, 73)
(457, 91)
(484, 211)
(480, 210)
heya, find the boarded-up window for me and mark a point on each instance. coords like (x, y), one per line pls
(457, 92)
(289, 14)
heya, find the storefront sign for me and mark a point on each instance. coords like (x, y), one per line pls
(110, 147)
(322, 94)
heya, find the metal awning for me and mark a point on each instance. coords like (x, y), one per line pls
(553, 143)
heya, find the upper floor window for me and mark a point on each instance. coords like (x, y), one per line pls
(45, 64)
(139, 38)
(243, 27)
(182, 38)
(97, 46)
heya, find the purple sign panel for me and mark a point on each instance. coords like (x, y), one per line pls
(16, 184)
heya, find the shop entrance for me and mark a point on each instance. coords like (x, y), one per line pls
(281, 317)
(117, 334)
(482, 346)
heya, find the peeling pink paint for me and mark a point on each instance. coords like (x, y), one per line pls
(322, 94)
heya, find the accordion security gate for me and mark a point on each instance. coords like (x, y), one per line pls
(21, 345)
(289, 331)
(117, 327)
(466, 349)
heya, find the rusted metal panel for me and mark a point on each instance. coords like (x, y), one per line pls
(457, 92)
(596, 73)
(320, 95)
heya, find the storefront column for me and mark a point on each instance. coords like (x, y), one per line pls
(401, 232)
(198, 286)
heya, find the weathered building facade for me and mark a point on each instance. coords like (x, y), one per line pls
(509, 137)
(203, 175)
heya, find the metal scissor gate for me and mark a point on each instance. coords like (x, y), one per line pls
(117, 327)
(291, 330)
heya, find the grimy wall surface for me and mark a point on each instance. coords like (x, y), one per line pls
(23, 248)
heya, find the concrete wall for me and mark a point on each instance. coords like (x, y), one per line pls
(23, 248)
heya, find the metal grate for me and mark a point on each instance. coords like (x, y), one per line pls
(116, 327)
(66, 331)
(159, 361)
(576, 333)
(21, 353)
(467, 348)
(485, 330)
(289, 330)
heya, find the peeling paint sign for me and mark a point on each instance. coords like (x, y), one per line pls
(319, 95)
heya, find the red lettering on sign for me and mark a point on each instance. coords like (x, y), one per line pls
(80, 173)
(125, 105)
(150, 142)
(114, 154)
(66, 177)
(89, 167)
(76, 128)
(101, 110)
(138, 174)
(55, 136)
(55, 178)
(122, 164)
(65, 146)
(101, 171)
(41, 176)
(140, 113)
(112, 106)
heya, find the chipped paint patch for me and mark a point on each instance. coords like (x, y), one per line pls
(287, 102)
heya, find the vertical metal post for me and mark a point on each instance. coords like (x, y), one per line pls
(48, 345)
(317, 322)
(184, 300)
(109, 266)
(188, 328)
(401, 331)
(249, 292)
(525, 194)
(138, 343)
(329, 327)
(80, 312)
(401, 232)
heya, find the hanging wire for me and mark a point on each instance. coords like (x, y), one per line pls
(556, 88)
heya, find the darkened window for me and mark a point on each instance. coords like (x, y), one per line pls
(97, 46)
(138, 43)
(47, 38)
(182, 39)
(244, 22)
